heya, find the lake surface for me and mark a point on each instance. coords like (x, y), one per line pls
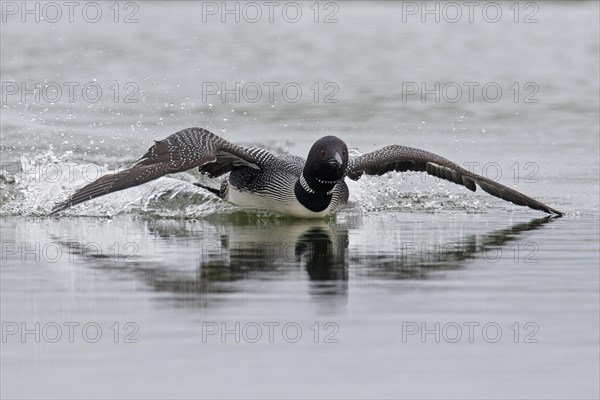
(417, 289)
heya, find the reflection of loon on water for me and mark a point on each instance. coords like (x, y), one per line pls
(243, 253)
(285, 183)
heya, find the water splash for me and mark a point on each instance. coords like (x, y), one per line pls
(410, 192)
(32, 186)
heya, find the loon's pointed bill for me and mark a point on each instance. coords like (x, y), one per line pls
(310, 188)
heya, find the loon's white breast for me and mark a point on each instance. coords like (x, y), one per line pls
(286, 203)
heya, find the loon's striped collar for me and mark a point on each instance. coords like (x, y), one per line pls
(326, 182)
(305, 185)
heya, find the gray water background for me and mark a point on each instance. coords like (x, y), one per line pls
(411, 251)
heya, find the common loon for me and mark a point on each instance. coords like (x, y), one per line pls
(285, 183)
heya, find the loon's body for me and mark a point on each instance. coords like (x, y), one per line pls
(278, 188)
(288, 184)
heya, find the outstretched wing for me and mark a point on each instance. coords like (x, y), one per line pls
(401, 158)
(186, 149)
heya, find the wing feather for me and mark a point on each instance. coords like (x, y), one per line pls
(402, 158)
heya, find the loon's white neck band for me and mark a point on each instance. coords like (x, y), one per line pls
(305, 185)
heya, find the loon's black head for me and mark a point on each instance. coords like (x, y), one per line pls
(326, 163)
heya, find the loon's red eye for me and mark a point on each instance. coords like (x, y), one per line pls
(344, 152)
(323, 153)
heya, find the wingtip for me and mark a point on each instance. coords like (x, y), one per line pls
(55, 211)
(58, 208)
(553, 212)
